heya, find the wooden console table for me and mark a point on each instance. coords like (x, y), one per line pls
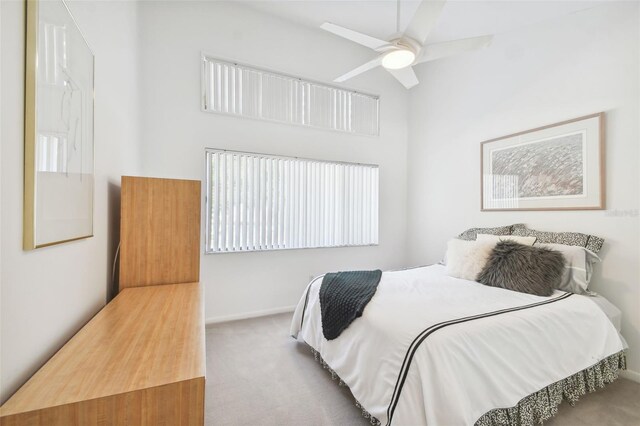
(141, 359)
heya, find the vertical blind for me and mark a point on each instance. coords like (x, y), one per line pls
(250, 92)
(500, 191)
(52, 153)
(264, 202)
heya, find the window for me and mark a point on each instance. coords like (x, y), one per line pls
(231, 88)
(52, 153)
(265, 202)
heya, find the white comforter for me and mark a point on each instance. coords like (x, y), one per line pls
(467, 367)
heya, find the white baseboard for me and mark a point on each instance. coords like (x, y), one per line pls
(247, 315)
(634, 376)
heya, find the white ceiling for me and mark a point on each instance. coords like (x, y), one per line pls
(459, 19)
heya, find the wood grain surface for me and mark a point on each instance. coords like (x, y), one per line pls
(140, 359)
(159, 231)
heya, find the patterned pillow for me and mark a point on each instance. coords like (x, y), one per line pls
(590, 242)
(527, 241)
(471, 234)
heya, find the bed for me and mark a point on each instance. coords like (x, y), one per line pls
(430, 349)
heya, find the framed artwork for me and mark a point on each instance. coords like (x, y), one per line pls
(58, 169)
(555, 167)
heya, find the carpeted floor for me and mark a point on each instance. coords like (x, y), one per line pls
(258, 375)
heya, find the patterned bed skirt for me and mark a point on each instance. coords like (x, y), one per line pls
(542, 405)
(334, 376)
(539, 406)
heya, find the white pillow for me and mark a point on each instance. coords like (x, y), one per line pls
(466, 259)
(578, 269)
(527, 241)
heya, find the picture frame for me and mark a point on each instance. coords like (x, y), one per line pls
(59, 133)
(560, 166)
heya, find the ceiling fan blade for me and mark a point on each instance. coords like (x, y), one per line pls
(356, 37)
(362, 68)
(431, 52)
(424, 20)
(406, 76)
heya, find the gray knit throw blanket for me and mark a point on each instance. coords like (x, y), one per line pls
(343, 297)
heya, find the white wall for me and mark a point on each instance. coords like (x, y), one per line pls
(48, 294)
(572, 66)
(175, 132)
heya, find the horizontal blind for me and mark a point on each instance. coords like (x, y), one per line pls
(263, 202)
(230, 88)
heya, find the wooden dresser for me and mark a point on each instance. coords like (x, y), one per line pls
(141, 359)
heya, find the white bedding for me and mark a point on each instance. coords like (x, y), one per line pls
(614, 314)
(466, 367)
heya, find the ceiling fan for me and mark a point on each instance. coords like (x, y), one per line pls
(399, 54)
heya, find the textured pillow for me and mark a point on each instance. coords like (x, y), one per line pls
(533, 270)
(472, 233)
(590, 242)
(578, 268)
(527, 241)
(465, 259)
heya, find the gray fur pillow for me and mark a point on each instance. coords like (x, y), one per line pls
(527, 269)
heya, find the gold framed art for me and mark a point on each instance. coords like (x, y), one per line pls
(59, 111)
(556, 167)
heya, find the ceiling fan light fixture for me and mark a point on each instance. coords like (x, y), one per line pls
(397, 59)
